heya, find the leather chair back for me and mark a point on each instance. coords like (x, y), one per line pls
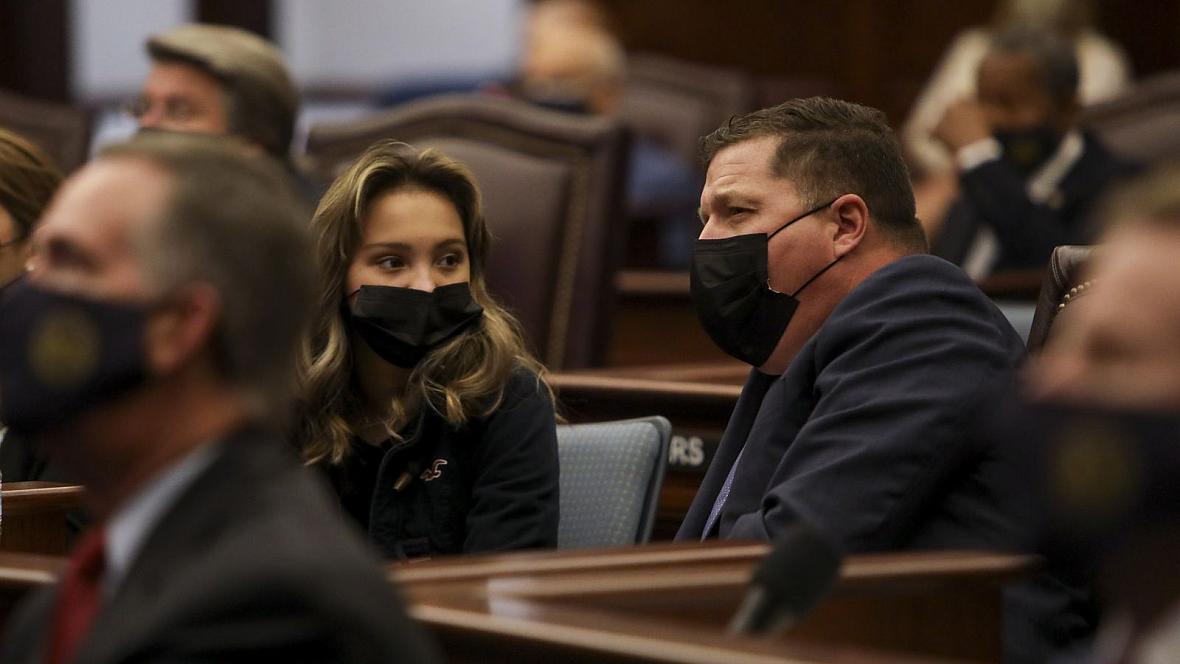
(1066, 266)
(1141, 124)
(63, 132)
(675, 102)
(552, 192)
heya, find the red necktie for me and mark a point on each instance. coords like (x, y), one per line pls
(78, 598)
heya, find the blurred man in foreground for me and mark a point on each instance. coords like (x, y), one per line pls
(147, 352)
(1105, 419)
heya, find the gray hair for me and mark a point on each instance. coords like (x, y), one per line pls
(232, 221)
(1055, 57)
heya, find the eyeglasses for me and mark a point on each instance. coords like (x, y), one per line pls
(174, 109)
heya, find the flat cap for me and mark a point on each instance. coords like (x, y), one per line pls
(244, 61)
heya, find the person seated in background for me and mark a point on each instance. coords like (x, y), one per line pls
(221, 80)
(420, 397)
(148, 352)
(1029, 176)
(1104, 72)
(27, 181)
(581, 68)
(867, 354)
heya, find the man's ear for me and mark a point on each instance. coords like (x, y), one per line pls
(852, 222)
(182, 329)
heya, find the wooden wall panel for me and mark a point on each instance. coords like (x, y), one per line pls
(879, 51)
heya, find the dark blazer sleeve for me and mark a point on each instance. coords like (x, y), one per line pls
(514, 494)
(897, 369)
(1027, 231)
(994, 193)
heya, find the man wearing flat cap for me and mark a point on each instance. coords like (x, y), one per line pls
(216, 79)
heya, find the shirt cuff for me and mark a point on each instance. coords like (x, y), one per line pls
(978, 153)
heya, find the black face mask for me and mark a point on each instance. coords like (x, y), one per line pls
(402, 325)
(1028, 149)
(731, 291)
(62, 354)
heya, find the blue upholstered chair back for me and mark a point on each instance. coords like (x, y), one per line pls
(611, 475)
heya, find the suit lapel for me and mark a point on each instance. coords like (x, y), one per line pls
(192, 523)
(736, 432)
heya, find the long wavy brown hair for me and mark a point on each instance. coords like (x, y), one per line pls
(462, 379)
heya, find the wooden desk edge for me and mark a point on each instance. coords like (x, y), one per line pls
(611, 384)
(593, 632)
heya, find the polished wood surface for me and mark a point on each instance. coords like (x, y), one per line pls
(671, 602)
(35, 516)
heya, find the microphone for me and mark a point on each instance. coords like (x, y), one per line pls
(789, 581)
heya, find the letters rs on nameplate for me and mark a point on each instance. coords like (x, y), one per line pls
(691, 451)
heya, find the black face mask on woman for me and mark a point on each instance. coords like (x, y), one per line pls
(402, 325)
(732, 295)
(61, 354)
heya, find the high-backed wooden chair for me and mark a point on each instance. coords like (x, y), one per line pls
(675, 102)
(552, 188)
(1060, 288)
(63, 132)
(1141, 124)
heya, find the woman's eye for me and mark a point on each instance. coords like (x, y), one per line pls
(735, 211)
(391, 262)
(450, 260)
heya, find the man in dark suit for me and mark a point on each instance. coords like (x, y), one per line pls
(1029, 177)
(865, 376)
(146, 352)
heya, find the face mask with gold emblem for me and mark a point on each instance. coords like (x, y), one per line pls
(62, 354)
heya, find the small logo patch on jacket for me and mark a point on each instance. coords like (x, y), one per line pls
(434, 471)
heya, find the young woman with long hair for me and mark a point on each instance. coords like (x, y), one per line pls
(420, 397)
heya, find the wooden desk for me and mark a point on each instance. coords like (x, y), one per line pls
(35, 516)
(670, 603)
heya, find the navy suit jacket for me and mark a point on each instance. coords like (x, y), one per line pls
(868, 436)
(863, 434)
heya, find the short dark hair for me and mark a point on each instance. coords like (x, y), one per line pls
(828, 147)
(233, 221)
(1054, 56)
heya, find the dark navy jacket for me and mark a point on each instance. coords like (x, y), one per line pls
(867, 435)
(490, 485)
(863, 434)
